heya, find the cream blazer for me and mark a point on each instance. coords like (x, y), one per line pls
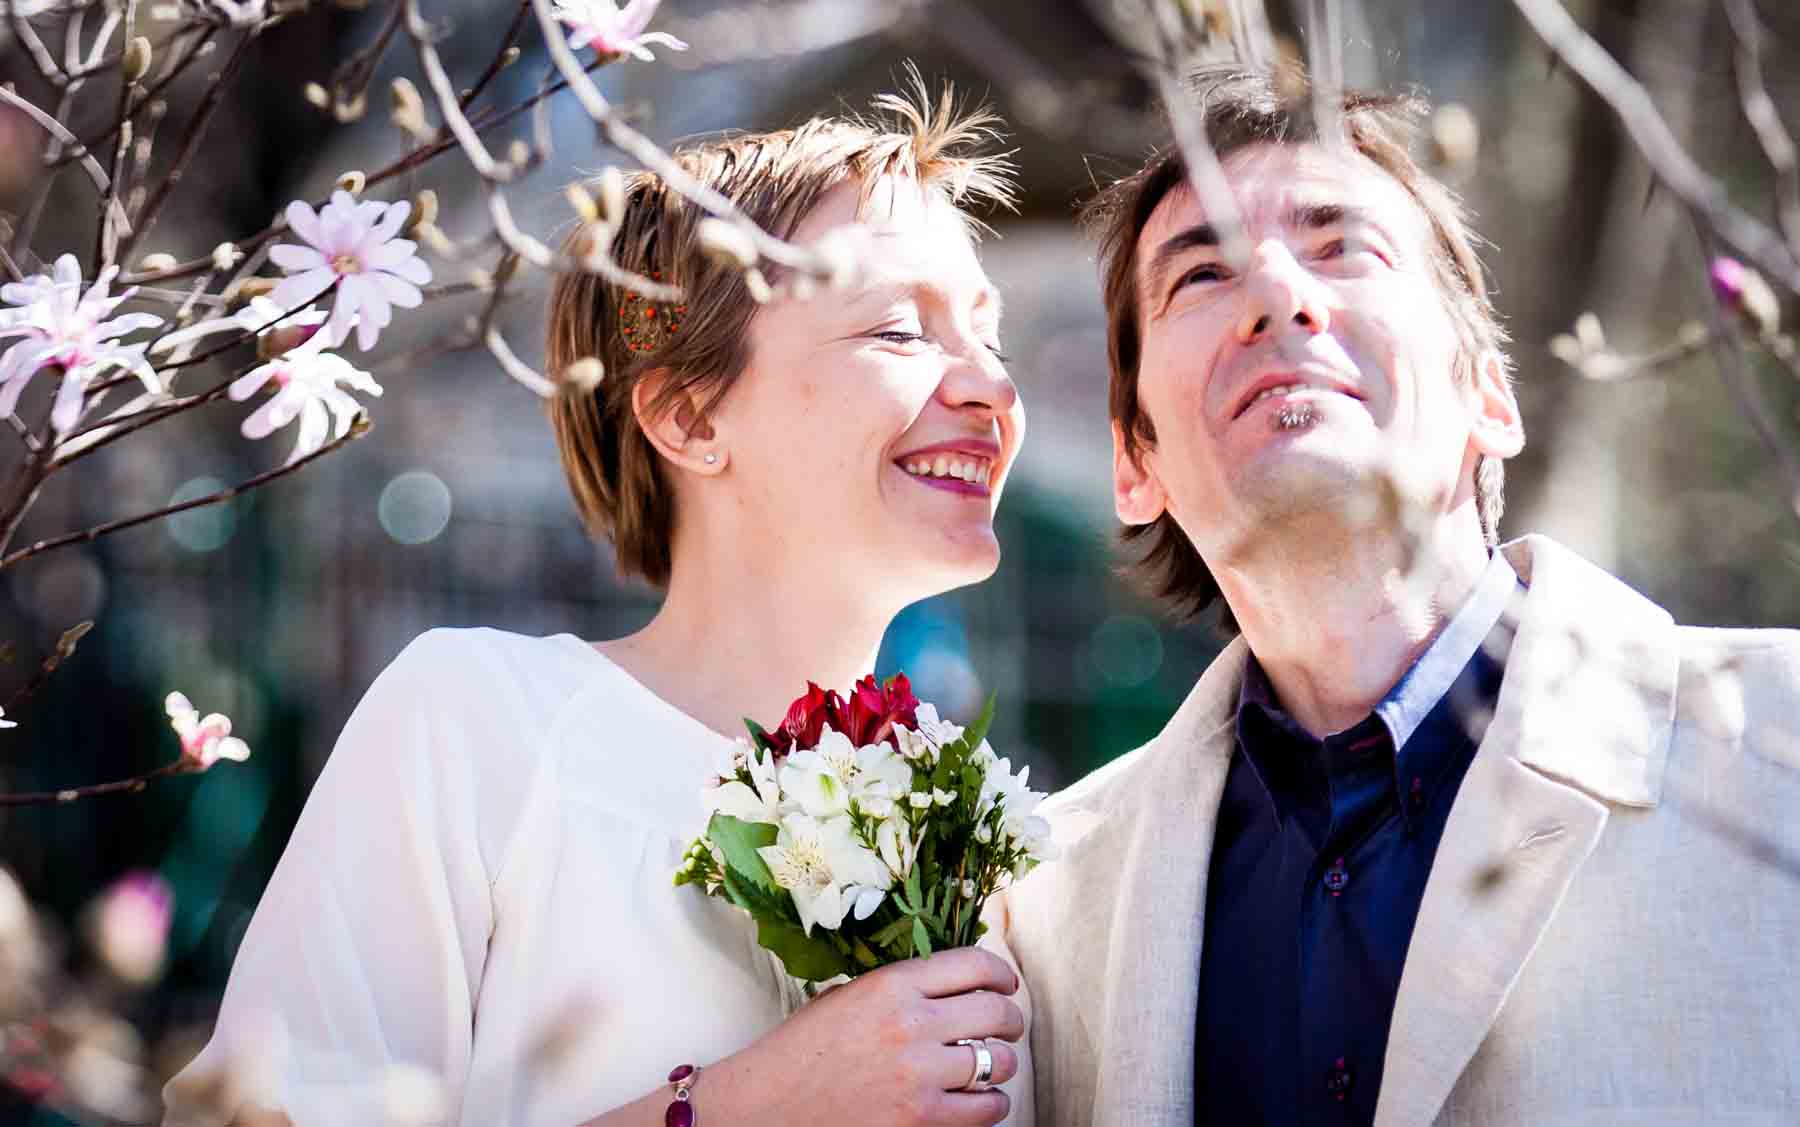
(1610, 932)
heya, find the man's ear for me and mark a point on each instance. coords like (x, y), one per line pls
(1496, 429)
(678, 429)
(1138, 495)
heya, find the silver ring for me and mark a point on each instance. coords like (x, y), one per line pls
(982, 1078)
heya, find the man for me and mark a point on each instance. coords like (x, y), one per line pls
(1449, 833)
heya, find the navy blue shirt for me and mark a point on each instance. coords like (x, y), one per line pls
(1319, 861)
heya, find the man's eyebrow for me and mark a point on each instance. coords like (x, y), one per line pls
(1178, 244)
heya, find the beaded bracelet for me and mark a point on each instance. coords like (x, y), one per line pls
(681, 1112)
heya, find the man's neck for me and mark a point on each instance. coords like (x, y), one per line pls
(1336, 630)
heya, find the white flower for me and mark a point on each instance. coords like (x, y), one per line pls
(925, 741)
(758, 802)
(828, 779)
(60, 326)
(942, 797)
(1000, 787)
(612, 30)
(353, 245)
(968, 889)
(309, 384)
(262, 316)
(920, 800)
(5, 723)
(826, 870)
(203, 742)
(894, 839)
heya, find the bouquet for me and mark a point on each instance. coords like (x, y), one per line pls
(866, 831)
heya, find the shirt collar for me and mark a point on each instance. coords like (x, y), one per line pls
(1420, 689)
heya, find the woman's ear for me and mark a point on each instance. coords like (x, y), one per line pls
(677, 428)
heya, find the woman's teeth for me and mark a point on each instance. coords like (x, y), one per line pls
(976, 471)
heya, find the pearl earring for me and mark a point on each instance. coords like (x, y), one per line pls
(712, 459)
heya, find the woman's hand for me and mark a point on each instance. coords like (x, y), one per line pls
(880, 1051)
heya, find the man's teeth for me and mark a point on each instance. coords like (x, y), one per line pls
(976, 471)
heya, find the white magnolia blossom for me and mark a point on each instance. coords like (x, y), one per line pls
(310, 384)
(59, 325)
(827, 871)
(612, 30)
(759, 801)
(203, 741)
(5, 723)
(261, 316)
(352, 245)
(825, 780)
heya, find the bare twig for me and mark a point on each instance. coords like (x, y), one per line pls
(1737, 229)
(357, 429)
(499, 61)
(195, 50)
(41, 58)
(61, 652)
(1759, 111)
(75, 794)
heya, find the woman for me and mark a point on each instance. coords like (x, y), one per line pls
(479, 886)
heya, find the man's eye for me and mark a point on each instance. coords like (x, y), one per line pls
(999, 354)
(1211, 272)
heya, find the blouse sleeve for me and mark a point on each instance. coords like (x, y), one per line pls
(1021, 1089)
(366, 951)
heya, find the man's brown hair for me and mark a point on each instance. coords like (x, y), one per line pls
(1240, 109)
(620, 486)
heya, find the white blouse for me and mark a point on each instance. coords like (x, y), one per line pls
(480, 886)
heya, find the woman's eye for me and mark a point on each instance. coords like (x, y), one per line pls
(898, 336)
(999, 354)
(1333, 249)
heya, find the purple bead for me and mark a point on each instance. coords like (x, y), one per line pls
(681, 1072)
(680, 1114)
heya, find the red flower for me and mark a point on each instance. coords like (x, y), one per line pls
(868, 718)
(874, 710)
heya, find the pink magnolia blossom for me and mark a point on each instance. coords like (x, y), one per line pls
(203, 741)
(60, 326)
(612, 30)
(278, 329)
(352, 245)
(310, 385)
(129, 928)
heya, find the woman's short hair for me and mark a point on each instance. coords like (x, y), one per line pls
(620, 486)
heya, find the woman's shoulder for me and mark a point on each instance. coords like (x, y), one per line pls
(481, 667)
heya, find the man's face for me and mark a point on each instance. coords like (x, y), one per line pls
(1293, 385)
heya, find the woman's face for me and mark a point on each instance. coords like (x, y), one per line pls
(874, 425)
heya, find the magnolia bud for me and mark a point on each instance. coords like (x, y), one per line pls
(353, 182)
(611, 186)
(158, 262)
(1455, 136)
(408, 108)
(226, 256)
(316, 95)
(129, 926)
(283, 338)
(353, 109)
(249, 288)
(760, 292)
(424, 210)
(582, 202)
(135, 63)
(509, 56)
(727, 243)
(519, 154)
(1742, 292)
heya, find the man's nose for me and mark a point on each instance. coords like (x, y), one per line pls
(1278, 291)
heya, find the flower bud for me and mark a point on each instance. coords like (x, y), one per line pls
(424, 210)
(135, 63)
(226, 256)
(509, 56)
(241, 294)
(585, 374)
(1455, 136)
(1743, 293)
(408, 107)
(352, 110)
(129, 926)
(611, 187)
(519, 154)
(760, 291)
(984, 833)
(158, 262)
(316, 96)
(727, 244)
(353, 182)
(582, 202)
(968, 889)
(283, 338)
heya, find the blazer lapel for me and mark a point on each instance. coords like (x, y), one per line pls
(1584, 718)
(1158, 849)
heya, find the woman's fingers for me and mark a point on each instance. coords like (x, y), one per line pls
(961, 970)
(977, 1014)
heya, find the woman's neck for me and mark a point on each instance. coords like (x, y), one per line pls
(738, 641)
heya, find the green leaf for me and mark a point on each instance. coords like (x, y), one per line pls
(775, 907)
(738, 841)
(759, 736)
(912, 886)
(892, 931)
(976, 732)
(921, 941)
(865, 956)
(811, 958)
